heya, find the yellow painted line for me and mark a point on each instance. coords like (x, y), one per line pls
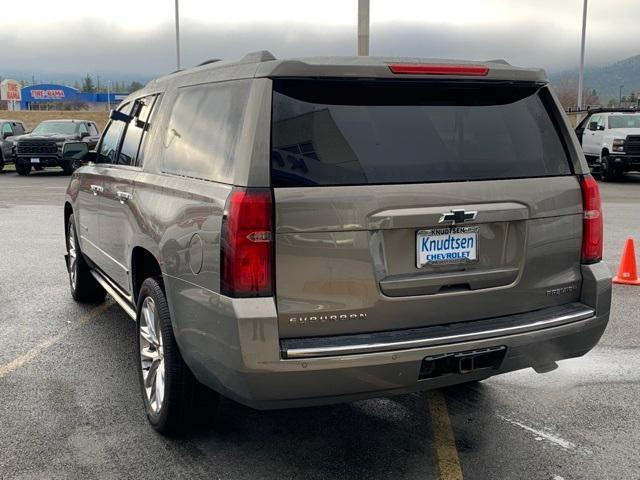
(448, 463)
(7, 368)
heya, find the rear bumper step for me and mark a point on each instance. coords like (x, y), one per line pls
(294, 348)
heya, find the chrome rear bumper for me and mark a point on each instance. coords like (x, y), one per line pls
(296, 348)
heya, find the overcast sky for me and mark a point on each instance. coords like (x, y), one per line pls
(135, 38)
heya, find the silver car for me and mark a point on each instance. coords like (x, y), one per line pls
(302, 232)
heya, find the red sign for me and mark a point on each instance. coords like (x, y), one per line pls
(13, 92)
(10, 91)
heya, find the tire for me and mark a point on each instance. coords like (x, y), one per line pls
(173, 398)
(23, 169)
(608, 173)
(69, 167)
(84, 288)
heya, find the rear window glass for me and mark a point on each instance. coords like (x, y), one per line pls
(204, 128)
(359, 133)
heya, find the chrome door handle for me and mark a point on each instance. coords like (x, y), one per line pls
(96, 189)
(123, 196)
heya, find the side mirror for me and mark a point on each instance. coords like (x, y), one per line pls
(84, 134)
(6, 134)
(600, 127)
(593, 125)
(78, 151)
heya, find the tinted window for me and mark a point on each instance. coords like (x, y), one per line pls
(18, 128)
(338, 133)
(83, 128)
(93, 130)
(204, 128)
(6, 128)
(111, 140)
(135, 131)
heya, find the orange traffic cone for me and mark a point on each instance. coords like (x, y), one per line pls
(628, 273)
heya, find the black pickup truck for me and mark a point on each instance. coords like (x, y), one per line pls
(43, 146)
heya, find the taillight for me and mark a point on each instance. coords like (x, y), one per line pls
(439, 69)
(592, 222)
(246, 244)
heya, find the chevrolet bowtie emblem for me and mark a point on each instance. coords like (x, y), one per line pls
(457, 216)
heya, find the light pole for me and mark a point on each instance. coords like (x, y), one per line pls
(363, 28)
(620, 98)
(581, 75)
(108, 95)
(178, 35)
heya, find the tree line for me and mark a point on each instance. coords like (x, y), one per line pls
(567, 92)
(90, 86)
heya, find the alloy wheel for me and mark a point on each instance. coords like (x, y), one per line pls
(73, 257)
(152, 355)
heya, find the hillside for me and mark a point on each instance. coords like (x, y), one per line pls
(607, 80)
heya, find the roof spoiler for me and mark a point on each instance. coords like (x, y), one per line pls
(257, 57)
(501, 61)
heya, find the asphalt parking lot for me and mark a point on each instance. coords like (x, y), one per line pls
(70, 405)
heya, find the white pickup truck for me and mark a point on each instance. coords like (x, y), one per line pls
(611, 141)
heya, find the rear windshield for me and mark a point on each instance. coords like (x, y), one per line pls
(361, 133)
(624, 121)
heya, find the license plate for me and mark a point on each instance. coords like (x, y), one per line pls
(446, 246)
(35, 160)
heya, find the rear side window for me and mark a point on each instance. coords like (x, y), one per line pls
(204, 128)
(359, 133)
(132, 150)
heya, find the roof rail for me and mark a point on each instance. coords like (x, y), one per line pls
(257, 57)
(499, 60)
(207, 62)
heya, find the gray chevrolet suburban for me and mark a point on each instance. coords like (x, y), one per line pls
(301, 232)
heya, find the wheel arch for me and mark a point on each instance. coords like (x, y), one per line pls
(144, 264)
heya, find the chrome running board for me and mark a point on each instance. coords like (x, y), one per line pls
(115, 293)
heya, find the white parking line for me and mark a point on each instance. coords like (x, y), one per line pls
(550, 437)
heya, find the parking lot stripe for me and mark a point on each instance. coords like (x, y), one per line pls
(448, 463)
(52, 340)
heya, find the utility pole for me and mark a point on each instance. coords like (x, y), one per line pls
(177, 36)
(363, 28)
(581, 76)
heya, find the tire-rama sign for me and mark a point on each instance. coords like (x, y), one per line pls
(51, 93)
(10, 90)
